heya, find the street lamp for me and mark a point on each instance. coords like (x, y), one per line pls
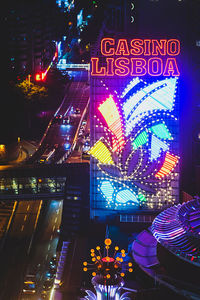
(107, 272)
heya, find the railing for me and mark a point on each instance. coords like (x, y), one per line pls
(62, 65)
(137, 218)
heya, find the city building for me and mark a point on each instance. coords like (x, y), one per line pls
(145, 20)
(30, 31)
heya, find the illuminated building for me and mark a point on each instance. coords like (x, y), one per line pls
(134, 128)
(150, 19)
(30, 28)
(65, 5)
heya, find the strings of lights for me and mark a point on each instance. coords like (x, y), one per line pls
(137, 129)
(108, 266)
(156, 96)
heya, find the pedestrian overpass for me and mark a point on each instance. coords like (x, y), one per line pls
(63, 65)
(41, 181)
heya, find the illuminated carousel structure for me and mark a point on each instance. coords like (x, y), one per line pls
(108, 272)
(178, 229)
(169, 251)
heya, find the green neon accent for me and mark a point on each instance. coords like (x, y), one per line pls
(161, 131)
(142, 197)
(140, 140)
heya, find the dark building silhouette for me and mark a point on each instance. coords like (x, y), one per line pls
(30, 30)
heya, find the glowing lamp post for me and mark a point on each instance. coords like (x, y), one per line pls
(107, 291)
(107, 273)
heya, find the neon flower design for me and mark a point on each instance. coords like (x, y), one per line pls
(134, 153)
(108, 269)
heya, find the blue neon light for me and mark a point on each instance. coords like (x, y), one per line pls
(107, 189)
(133, 83)
(157, 96)
(126, 195)
(67, 146)
(161, 131)
(156, 146)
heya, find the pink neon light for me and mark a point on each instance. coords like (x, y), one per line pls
(135, 66)
(105, 42)
(169, 163)
(110, 46)
(129, 62)
(112, 117)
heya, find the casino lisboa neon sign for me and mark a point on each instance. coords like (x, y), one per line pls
(134, 146)
(127, 62)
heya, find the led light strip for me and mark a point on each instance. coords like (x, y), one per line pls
(112, 117)
(168, 165)
(132, 83)
(102, 153)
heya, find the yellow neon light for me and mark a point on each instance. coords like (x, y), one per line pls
(102, 153)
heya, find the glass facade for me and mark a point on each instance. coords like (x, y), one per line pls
(32, 185)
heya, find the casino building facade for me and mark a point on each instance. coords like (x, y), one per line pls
(134, 129)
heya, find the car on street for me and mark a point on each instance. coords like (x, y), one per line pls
(51, 272)
(57, 119)
(44, 294)
(66, 120)
(77, 111)
(29, 286)
(53, 260)
(85, 155)
(48, 284)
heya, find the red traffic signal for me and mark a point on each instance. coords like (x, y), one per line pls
(40, 76)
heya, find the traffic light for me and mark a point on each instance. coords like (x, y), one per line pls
(40, 76)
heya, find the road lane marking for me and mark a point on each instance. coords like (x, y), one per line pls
(11, 216)
(38, 213)
(56, 219)
(51, 237)
(22, 228)
(46, 257)
(25, 217)
(28, 207)
(54, 227)
(49, 246)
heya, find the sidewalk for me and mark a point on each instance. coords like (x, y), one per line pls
(27, 148)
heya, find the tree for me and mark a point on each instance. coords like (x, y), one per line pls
(31, 91)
